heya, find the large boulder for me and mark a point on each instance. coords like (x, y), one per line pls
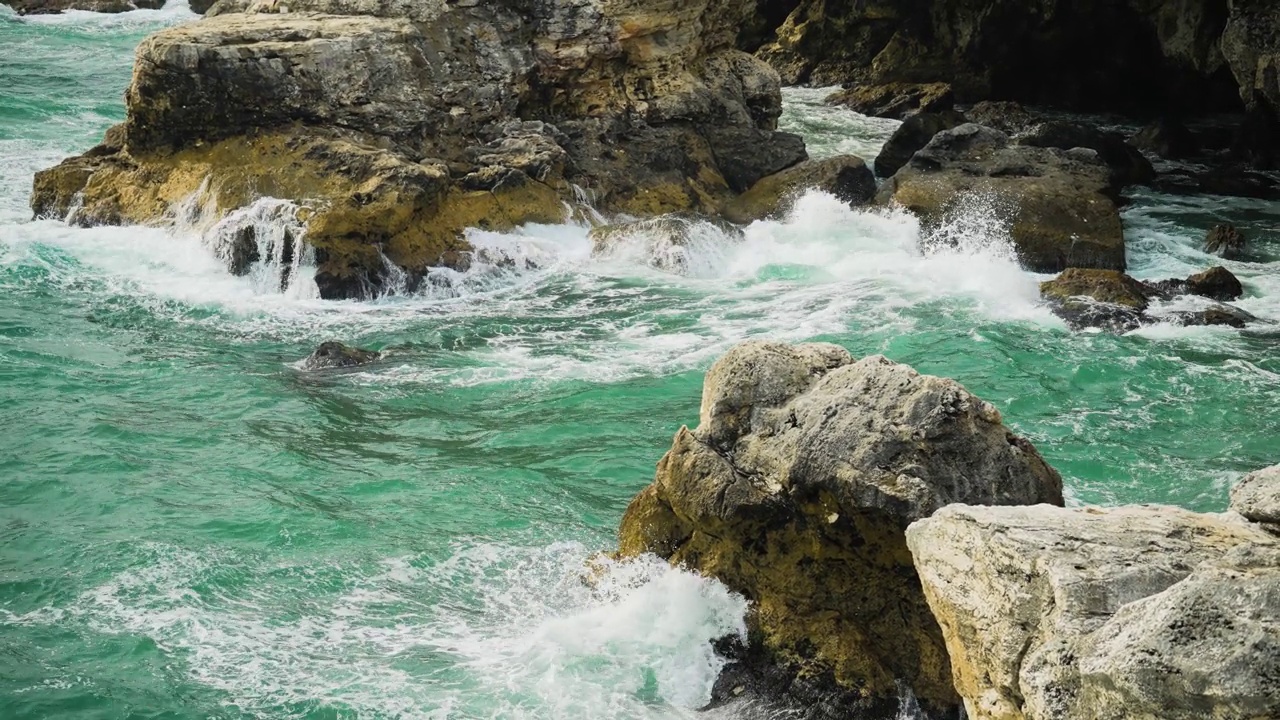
(910, 137)
(399, 125)
(1104, 613)
(1257, 496)
(795, 489)
(1059, 205)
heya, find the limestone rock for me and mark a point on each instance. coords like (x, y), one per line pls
(1225, 241)
(845, 176)
(1059, 205)
(400, 124)
(334, 354)
(1257, 496)
(899, 101)
(795, 489)
(1102, 614)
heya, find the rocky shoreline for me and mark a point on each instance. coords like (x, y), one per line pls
(891, 532)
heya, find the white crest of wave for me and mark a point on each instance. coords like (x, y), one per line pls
(492, 631)
(173, 12)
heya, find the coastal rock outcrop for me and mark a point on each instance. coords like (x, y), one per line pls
(1111, 300)
(845, 176)
(795, 490)
(400, 125)
(1257, 497)
(1059, 205)
(1104, 613)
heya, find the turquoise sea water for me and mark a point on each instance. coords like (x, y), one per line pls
(192, 527)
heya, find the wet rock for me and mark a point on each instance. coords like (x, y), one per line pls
(795, 489)
(334, 354)
(329, 103)
(1105, 299)
(1128, 166)
(913, 134)
(845, 176)
(1225, 241)
(1216, 283)
(1257, 496)
(50, 7)
(672, 243)
(1229, 180)
(1166, 138)
(1006, 116)
(1100, 613)
(896, 100)
(1059, 205)
(1215, 314)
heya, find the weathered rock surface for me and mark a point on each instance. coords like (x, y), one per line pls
(333, 354)
(896, 100)
(401, 124)
(795, 489)
(50, 7)
(1225, 241)
(1166, 138)
(1257, 496)
(1111, 300)
(911, 136)
(845, 176)
(1059, 205)
(1104, 614)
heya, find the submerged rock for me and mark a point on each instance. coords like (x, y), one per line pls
(1061, 204)
(400, 125)
(1104, 613)
(334, 354)
(845, 176)
(795, 489)
(671, 243)
(1225, 241)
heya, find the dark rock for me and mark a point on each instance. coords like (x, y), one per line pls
(1231, 180)
(1128, 166)
(1218, 314)
(49, 7)
(1225, 241)
(1089, 298)
(745, 155)
(896, 100)
(1166, 138)
(1003, 115)
(1216, 283)
(845, 176)
(913, 134)
(334, 354)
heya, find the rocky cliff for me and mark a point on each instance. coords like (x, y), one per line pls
(395, 125)
(795, 489)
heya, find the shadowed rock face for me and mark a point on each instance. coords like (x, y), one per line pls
(399, 124)
(1104, 613)
(795, 489)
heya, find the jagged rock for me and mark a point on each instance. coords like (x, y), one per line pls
(1216, 314)
(795, 489)
(50, 7)
(1059, 205)
(1114, 301)
(1225, 241)
(334, 354)
(1006, 116)
(1104, 613)
(401, 124)
(896, 100)
(668, 243)
(1166, 138)
(845, 176)
(1257, 496)
(913, 134)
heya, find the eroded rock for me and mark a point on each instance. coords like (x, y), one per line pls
(333, 354)
(795, 489)
(1257, 496)
(1225, 241)
(913, 134)
(1104, 613)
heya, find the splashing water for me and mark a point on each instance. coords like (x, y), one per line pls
(194, 528)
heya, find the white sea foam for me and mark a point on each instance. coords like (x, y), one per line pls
(173, 12)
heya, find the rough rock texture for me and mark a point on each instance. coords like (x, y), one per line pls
(795, 489)
(400, 124)
(845, 176)
(911, 136)
(1225, 241)
(1166, 138)
(896, 100)
(1088, 298)
(1059, 205)
(334, 354)
(1138, 612)
(50, 7)
(1257, 496)
(1128, 166)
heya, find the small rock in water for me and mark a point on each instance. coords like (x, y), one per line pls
(1225, 241)
(334, 354)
